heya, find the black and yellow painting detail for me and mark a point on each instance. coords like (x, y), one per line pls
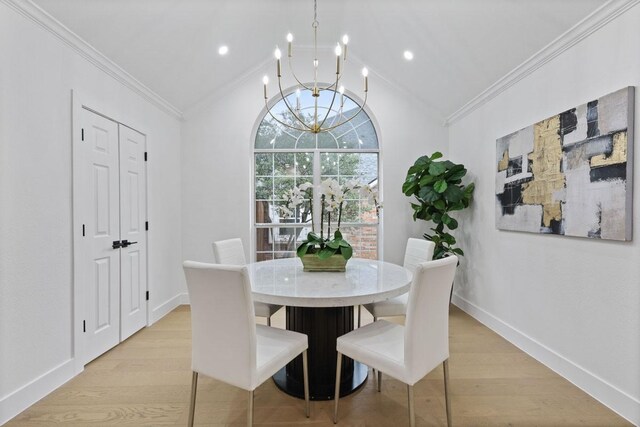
(570, 174)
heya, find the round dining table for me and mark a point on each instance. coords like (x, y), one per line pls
(320, 305)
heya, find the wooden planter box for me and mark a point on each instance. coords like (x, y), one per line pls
(311, 262)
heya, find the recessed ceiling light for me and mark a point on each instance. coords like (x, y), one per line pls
(408, 55)
(223, 50)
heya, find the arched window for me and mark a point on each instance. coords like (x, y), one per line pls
(284, 158)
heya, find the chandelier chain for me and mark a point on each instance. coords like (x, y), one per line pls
(315, 14)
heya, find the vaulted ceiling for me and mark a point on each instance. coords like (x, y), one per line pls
(460, 46)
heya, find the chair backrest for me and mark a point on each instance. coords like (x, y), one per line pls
(229, 252)
(426, 331)
(223, 327)
(418, 250)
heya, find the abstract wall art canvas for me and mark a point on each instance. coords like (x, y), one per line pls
(570, 174)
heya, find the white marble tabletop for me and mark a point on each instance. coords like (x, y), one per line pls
(282, 281)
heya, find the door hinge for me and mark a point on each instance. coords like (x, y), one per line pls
(146, 225)
(82, 132)
(82, 230)
(147, 295)
(84, 326)
(145, 156)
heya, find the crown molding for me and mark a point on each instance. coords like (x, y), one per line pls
(592, 23)
(36, 14)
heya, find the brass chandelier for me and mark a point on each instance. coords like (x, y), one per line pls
(315, 123)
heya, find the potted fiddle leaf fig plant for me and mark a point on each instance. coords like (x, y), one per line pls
(437, 189)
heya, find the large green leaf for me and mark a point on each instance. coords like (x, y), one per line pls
(427, 179)
(347, 252)
(313, 237)
(302, 249)
(457, 174)
(422, 161)
(344, 244)
(428, 194)
(436, 155)
(453, 224)
(326, 252)
(456, 206)
(409, 188)
(440, 205)
(334, 244)
(448, 164)
(469, 188)
(437, 168)
(440, 186)
(415, 169)
(337, 235)
(453, 194)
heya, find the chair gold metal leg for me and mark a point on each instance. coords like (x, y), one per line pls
(305, 368)
(379, 381)
(374, 371)
(250, 411)
(268, 321)
(192, 405)
(336, 397)
(412, 412)
(359, 314)
(445, 368)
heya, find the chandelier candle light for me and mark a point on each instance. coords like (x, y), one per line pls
(314, 123)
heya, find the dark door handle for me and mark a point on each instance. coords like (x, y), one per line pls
(126, 243)
(116, 244)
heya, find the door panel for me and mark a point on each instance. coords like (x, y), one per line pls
(100, 264)
(102, 200)
(102, 283)
(132, 228)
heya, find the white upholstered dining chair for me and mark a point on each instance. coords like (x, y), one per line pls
(246, 354)
(231, 252)
(408, 352)
(417, 251)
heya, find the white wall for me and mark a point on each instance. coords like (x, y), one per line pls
(572, 303)
(217, 159)
(37, 75)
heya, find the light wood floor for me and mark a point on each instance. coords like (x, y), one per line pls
(146, 381)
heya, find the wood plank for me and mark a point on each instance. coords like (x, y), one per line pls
(145, 381)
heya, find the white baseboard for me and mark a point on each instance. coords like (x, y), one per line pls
(166, 307)
(20, 399)
(617, 400)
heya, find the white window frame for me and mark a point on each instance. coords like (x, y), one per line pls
(253, 226)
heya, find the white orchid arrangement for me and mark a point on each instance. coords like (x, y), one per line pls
(332, 201)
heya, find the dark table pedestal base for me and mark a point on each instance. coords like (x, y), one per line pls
(323, 326)
(323, 391)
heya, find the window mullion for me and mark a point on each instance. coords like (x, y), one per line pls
(316, 194)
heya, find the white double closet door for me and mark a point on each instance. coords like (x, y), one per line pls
(110, 195)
